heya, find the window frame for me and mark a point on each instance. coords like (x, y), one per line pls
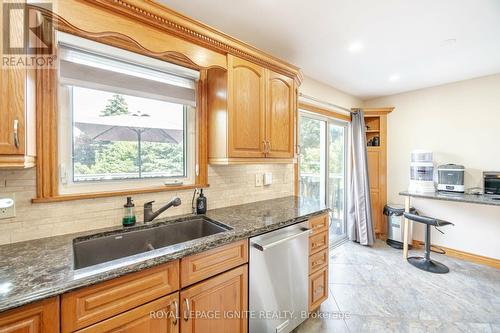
(47, 133)
(67, 183)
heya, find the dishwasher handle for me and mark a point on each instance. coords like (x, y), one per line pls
(263, 247)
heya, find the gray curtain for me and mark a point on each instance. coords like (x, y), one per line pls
(359, 218)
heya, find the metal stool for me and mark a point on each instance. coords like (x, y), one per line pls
(426, 263)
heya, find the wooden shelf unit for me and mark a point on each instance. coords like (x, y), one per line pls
(376, 122)
(373, 126)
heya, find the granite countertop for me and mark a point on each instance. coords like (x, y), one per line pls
(42, 268)
(457, 197)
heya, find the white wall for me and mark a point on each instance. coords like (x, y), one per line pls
(329, 94)
(460, 122)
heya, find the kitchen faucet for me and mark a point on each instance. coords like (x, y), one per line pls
(149, 215)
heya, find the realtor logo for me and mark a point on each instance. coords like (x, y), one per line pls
(27, 35)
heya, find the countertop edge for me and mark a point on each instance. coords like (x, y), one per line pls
(466, 198)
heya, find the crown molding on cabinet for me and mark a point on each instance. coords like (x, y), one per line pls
(165, 19)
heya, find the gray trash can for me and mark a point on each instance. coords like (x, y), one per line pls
(395, 225)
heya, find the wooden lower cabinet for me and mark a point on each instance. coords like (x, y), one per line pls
(318, 260)
(318, 288)
(223, 296)
(203, 265)
(318, 241)
(159, 316)
(39, 317)
(90, 305)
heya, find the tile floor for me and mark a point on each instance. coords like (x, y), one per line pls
(382, 293)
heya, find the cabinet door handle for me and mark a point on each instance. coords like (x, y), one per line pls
(186, 317)
(16, 134)
(264, 142)
(268, 146)
(176, 306)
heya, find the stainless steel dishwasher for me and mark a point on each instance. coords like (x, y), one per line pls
(279, 279)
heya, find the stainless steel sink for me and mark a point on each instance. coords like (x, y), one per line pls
(106, 247)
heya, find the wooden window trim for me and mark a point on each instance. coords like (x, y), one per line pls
(47, 168)
(324, 112)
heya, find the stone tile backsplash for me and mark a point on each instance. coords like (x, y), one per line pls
(229, 185)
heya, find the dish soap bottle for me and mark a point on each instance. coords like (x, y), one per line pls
(201, 203)
(128, 216)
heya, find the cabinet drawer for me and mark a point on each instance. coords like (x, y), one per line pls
(318, 242)
(155, 316)
(318, 288)
(318, 223)
(318, 260)
(90, 305)
(209, 263)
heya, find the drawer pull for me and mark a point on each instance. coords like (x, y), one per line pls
(186, 316)
(16, 134)
(176, 306)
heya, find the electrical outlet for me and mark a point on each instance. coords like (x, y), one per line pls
(7, 206)
(259, 180)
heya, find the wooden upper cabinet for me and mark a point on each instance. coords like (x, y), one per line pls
(251, 112)
(224, 295)
(279, 115)
(12, 83)
(39, 317)
(17, 108)
(246, 99)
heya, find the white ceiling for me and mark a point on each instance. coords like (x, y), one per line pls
(402, 38)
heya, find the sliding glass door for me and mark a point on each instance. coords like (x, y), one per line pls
(336, 185)
(322, 167)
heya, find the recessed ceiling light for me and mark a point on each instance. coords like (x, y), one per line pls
(448, 42)
(394, 77)
(355, 47)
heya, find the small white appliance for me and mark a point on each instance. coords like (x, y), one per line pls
(451, 178)
(421, 172)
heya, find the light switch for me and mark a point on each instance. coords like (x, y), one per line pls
(7, 206)
(258, 180)
(268, 178)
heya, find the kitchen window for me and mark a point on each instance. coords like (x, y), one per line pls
(125, 120)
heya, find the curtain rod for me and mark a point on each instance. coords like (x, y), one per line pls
(326, 103)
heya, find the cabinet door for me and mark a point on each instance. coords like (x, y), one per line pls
(376, 212)
(318, 288)
(246, 113)
(12, 89)
(159, 316)
(279, 115)
(39, 317)
(373, 169)
(208, 306)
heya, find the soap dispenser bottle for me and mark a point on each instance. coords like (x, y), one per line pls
(201, 203)
(128, 216)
